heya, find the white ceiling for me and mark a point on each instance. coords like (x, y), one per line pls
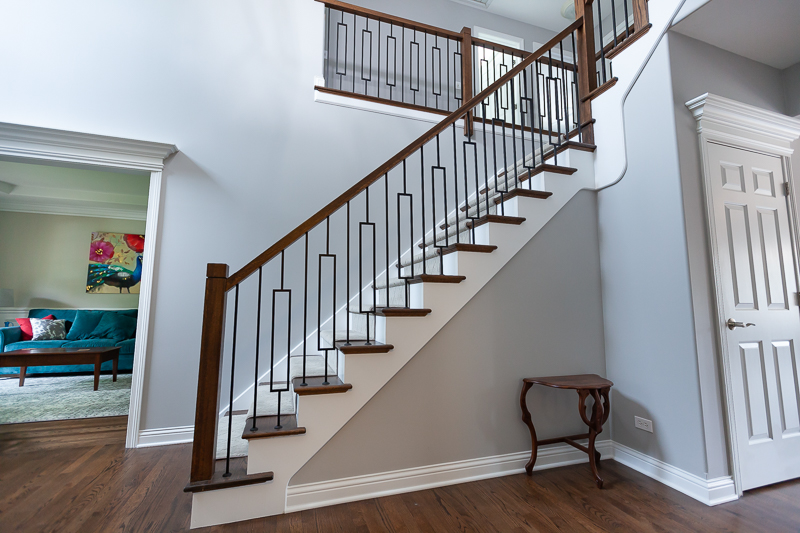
(27, 187)
(542, 13)
(767, 31)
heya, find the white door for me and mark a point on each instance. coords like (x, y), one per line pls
(758, 284)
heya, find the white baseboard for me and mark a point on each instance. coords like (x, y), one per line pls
(708, 491)
(323, 493)
(165, 436)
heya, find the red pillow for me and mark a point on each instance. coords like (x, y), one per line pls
(27, 329)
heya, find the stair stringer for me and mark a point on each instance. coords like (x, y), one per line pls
(324, 415)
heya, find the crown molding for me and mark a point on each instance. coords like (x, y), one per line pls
(79, 208)
(711, 110)
(33, 142)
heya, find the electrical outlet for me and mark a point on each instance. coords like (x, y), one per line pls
(643, 423)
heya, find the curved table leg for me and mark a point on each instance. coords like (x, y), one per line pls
(526, 417)
(595, 428)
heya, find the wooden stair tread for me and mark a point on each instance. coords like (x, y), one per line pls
(218, 482)
(525, 193)
(466, 247)
(547, 167)
(362, 347)
(266, 427)
(436, 278)
(498, 219)
(315, 385)
(401, 311)
(575, 145)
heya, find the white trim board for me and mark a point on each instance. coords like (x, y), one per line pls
(69, 148)
(707, 491)
(323, 493)
(57, 206)
(165, 436)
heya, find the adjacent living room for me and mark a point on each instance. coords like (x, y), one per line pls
(71, 246)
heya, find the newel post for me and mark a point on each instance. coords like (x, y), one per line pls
(466, 76)
(640, 16)
(587, 65)
(208, 381)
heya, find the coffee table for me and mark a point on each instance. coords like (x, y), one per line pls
(61, 356)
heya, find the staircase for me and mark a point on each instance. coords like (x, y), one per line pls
(322, 320)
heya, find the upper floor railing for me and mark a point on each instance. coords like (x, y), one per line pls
(379, 57)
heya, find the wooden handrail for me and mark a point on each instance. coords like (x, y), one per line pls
(253, 266)
(390, 19)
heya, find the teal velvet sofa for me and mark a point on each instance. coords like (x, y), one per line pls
(10, 339)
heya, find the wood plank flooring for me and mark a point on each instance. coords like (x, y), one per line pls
(76, 476)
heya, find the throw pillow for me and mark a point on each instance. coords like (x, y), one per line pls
(114, 326)
(25, 326)
(85, 322)
(48, 330)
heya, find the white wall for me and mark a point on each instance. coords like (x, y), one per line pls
(458, 398)
(647, 301)
(45, 258)
(231, 84)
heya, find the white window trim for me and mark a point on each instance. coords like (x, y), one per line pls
(498, 37)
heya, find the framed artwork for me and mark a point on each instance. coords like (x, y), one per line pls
(115, 263)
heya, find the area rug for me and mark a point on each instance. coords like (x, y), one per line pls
(63, 398)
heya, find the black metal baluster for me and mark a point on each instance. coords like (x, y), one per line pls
(614, 22)
(627, 24)
(577, 99)
(514, 136)
(422, 192)
(485, 158)
(305, 312)
(564, 100)
(386, 245)
(258, 346)
(549, 99)
(379, 60)
(233, 368)
(355, 27)
(602, 47)
(347, 300)
(455, 184)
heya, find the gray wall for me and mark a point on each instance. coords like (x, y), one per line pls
(459, 397)
(698, 68)
(791, 89)
(231, 84)
(647, 302)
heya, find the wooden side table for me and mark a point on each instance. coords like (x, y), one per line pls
(586, 385)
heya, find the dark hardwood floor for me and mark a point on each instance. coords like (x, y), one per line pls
(76, 476)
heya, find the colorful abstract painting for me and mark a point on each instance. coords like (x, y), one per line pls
(115, 263)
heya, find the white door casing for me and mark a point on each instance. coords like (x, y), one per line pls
(753, 239)
(70, 148)
(759, 287)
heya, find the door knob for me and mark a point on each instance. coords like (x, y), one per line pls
(732, 324)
